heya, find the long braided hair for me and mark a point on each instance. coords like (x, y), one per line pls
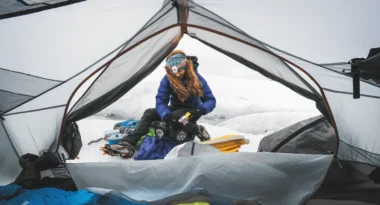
(193, 86)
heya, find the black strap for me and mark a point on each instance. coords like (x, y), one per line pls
(355, 70)
(93, 141)
(356, 81)
(192, 149)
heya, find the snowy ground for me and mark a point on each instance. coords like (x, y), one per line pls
(247, 103)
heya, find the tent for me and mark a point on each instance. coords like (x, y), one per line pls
(38, 100)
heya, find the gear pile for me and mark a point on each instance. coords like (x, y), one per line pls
(123, 150)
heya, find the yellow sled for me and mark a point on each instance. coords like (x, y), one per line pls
(227, 143)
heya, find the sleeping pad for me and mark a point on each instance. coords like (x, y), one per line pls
(15, 194)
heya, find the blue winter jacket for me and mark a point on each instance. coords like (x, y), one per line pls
(166, 94)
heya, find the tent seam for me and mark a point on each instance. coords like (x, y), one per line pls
(13, 71)
(6, 91)
(349, 93)
(35, 110)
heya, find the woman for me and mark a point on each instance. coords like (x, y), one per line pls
(181, 90)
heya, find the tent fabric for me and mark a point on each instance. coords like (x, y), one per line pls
(272, 67)
(311, 136)
(141, 60)
(63, 63)
(355, 126)
(124, 53)
(9, 167)
(245, 176)
(10, 100)
(335, 86)
(13, 89)
(42, 69)
(58, 61)
(58, 96)
(345, 68)
(14, 8)
(345, 180)
(30, 133)
(115, 72)
(264, 60)
(13, 82)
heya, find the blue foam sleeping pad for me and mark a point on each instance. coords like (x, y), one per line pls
(15, 194)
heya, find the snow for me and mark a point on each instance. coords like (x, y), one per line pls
(247, 103)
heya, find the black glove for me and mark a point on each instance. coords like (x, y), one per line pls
(173, 122)
(203, 134)
(190, 127)
(195, 115)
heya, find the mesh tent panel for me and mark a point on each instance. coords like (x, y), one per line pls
(24, 84)
(33, 132)
(9, 167)
(127, 65)
(357, 121)
(282, 71)
(265, 61)
(9, 100)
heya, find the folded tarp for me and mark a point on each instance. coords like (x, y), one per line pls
(270, 178)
